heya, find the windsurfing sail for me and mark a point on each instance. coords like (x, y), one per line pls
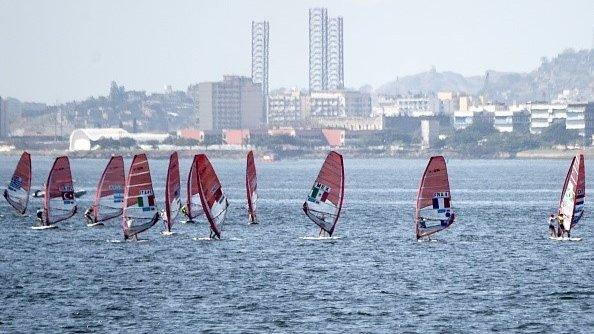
(251, 187)
(571, 203)
(140, 210)
(324, 202)
(172, 192)
(19, 188)
(214, 202)
(433, 211)
(109, 197)
(193, 202)
(59, 203)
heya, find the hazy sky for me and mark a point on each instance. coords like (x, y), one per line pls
(56, 51)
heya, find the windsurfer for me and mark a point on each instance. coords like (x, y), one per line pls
(422, 222)
(560, 228)
(184, 210)
(39, 215)
(552, 227)
(89, 215)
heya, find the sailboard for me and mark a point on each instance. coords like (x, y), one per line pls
(59, 203)
(251, 187)
(18, 190)
(140, 210)
(109, 197)
(324, 202)
(214, 202)
(172, 193)
(433, 211)
(192, 208)
(571, 203)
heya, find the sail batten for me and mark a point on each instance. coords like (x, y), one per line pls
(140, 209)
(571, 203)
(214, 203)
(109, 197)
(324, 202)
(251, 187)
(59, 203)
(18, 190)
(172, 192)
(433, 199)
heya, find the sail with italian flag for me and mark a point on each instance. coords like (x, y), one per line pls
(571, 203)
(109, 197)
(58, 203)
(433, 211)
(172, 192)
(214, 202)
(193, 205)
(18, 190)
(140, 209)
(324, 202)
(251, 187)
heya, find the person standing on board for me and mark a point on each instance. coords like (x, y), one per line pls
(552, 227)
(89, 215)
(560, 228)
(39, 215)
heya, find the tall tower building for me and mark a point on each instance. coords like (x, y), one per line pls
(335, 54)
(318, 49)
(326, 65)
(260, 59)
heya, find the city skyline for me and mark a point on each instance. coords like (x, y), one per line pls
(65, 50)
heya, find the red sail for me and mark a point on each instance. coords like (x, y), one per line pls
(324, 202)
(433, 199)
(59, 202)
(571, 203)
(140, 210)
(172, 192)
(251, 187)
(19, 188)
(193, 191)
(109, 198)
(214, 202)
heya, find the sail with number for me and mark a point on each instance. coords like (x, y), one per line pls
(140, 209)
(324, 202)
(193, 203)
(172, 192)
(433, 211)
(251, 187)
(59, 203)
(109, 197)
(571, 203)
(214, 202)
(19, 188)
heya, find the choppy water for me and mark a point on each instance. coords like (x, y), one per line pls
(494, 270)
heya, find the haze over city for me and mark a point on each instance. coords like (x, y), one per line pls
(64, 50)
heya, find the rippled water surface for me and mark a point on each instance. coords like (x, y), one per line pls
(494, 270)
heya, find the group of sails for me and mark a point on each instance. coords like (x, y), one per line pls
(133, 197)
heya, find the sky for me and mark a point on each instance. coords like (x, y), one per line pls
(56, 51)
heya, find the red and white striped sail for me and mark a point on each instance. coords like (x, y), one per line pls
(214, 202)
(251, 187)
(59, 203)
(18, 190)
(109, 197)
(140, 209)
(571, 203)
(433, 211)
(172, 192)
(324, 202)
(193, 203)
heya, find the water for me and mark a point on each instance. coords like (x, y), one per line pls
(494, 270)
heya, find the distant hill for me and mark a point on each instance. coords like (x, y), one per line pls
(569, 70)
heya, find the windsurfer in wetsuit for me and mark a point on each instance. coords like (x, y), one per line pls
(422, 222)
(561, 228)
(39, 215)
(89, 215)
(552, 228)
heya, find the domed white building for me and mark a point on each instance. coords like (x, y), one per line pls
(80, 139)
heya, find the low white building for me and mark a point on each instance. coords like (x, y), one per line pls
(82, 139)
(543, 114)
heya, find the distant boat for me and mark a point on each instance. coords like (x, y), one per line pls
(571, 203)
(251, 187)
(109, 196)
(140, 210)
(59, 203)
(324, 202)
(19, 188)
(172, 193)
(433, 211)
(193, 204)
(214, 202)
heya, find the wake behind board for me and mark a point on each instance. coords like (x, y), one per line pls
(95, 224)
(319, 238)
(565, 239)
(44, 227)
(167, 233)
(188, 221)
